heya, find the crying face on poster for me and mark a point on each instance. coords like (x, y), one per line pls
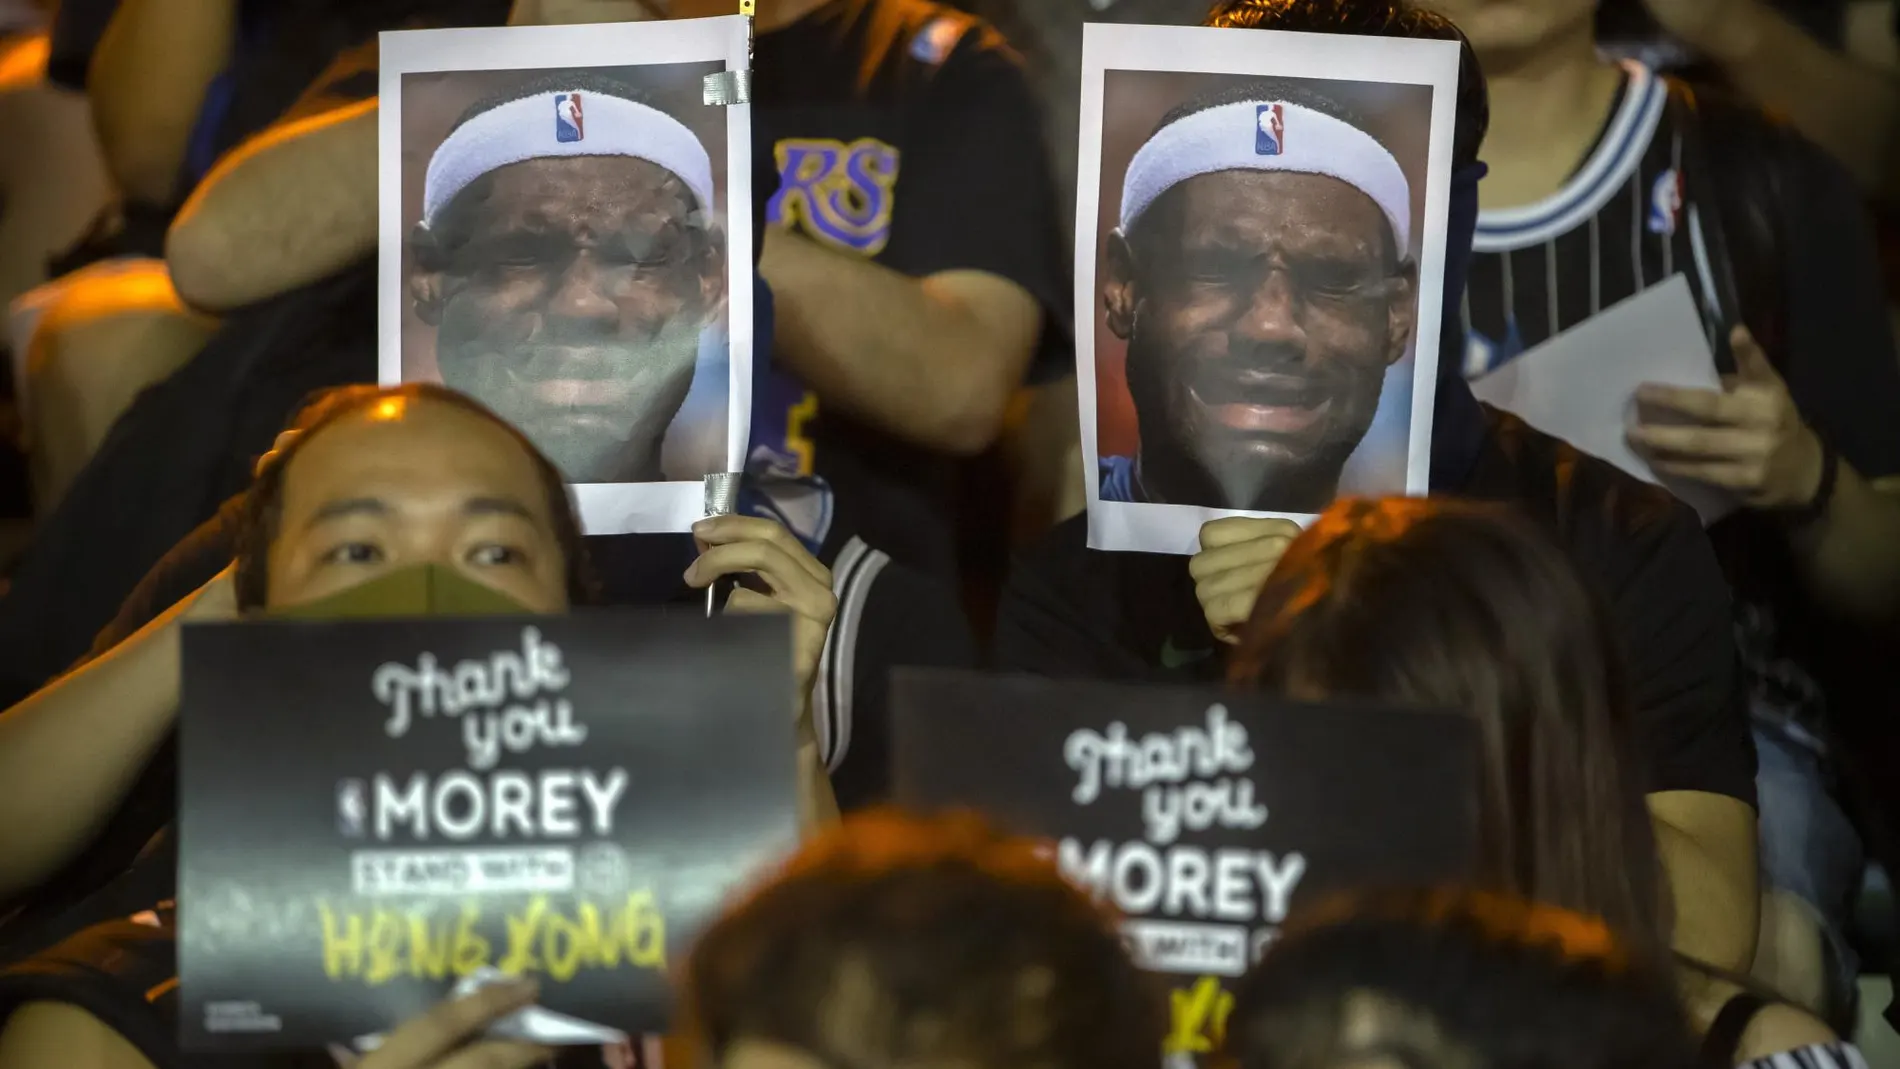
(568, 259)
(1261, 279)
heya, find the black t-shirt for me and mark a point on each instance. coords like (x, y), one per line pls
(906, 132)
(1075, 612)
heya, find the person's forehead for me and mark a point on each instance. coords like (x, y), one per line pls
(407, 448)
(1249, 201)
(613, 185)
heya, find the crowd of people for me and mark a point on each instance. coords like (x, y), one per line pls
(1685, 731)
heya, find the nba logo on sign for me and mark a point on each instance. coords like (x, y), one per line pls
(1270, 138)
(1665, 202)
(568, 124)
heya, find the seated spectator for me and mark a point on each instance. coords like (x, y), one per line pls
(90, 756)
(1447, 604)
(1072, 611)
(895, 940)
(1454, 605)
(52, 182)
(189, 441)
(1454, 980)
(174, 85)
(923, 114)
(1606, 180)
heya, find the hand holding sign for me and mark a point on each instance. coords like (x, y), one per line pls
(436, 1039)
(1237, 554)
(1749, 438)
(794, 581)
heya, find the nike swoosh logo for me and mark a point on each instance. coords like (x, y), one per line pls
(1173, 657)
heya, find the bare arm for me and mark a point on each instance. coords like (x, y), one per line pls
(52, 179)
(1754, 441)
(1707, 843)
(795, 584)
(1845, 106)
(933, 360)
(1849, 555)
(70, 751)
(235, 242)
(147, 83)
(43, 1035)
(817, 805)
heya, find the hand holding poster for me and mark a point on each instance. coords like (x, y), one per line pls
(373, 813)
(558, 240)
(1202, 817)
(1260, 230)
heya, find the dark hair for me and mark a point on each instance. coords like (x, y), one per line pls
(1467, 606)
(897, 939)
(1455, 980)
(263, 502)
(1376, 18)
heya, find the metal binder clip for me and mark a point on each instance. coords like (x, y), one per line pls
(727, 88)
(722, 497)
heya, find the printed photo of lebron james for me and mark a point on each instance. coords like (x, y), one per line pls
(1257, 282)
(565, 261)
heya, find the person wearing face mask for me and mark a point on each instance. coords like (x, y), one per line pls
(386, 502)
(1071, 611)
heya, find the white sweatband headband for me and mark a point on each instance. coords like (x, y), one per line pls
(1242, 137)
(559, 124)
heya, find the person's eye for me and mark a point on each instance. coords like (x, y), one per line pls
(513, 253)
(1336, 280)
(354, 553)
(1208, 269)
(640, 260)
(495, 555)
(641, 250)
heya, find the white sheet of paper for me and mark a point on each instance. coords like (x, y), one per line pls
(1580, 385)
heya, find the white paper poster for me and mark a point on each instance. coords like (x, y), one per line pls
(1260, 238)
(566, 237)
(1580, 385)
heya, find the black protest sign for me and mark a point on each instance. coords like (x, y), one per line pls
(1202, 816)
(371, 812)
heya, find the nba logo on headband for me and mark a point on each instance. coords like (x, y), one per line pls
(1269, 137)
(568, 123)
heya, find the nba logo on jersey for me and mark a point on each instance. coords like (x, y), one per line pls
(568, 124)
(934, 44)
(1269, 137)
(1665, 202)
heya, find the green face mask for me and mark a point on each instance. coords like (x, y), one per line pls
(420, 590)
